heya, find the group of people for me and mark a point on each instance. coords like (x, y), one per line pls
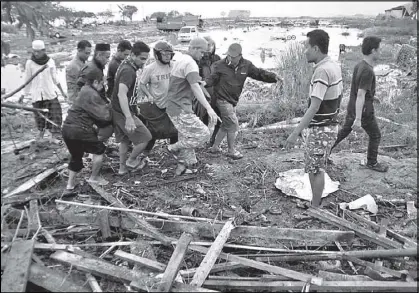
(190, 100)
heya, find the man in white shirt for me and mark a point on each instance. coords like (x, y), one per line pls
(42, 90)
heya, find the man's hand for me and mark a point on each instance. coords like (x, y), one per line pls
(356, 125)
(202, 82)
(291, 140)
(130, 124)
(213, 117)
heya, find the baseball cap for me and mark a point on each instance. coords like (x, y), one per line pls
(234, 50)
(38, 45)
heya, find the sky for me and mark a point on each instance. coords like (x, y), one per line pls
(258, 8)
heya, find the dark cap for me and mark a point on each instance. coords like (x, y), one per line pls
(102, 47)
(234, 50)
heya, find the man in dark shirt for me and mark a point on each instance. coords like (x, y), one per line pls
(228, 77)
(128, 127)
(122, 51)
(360, 112)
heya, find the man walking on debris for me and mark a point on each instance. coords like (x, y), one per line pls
(205, 69)
(42, 90)
(154, 83)
(319, 125)
(228, 78)
(99, 61)
(183, 88)
(128, 127)
(88, 112)
(122, 51)
(84, 49)
(360, 112)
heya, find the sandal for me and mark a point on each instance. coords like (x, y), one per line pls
(214, 150)
(236, 156)
(100, 182)
(140, 165)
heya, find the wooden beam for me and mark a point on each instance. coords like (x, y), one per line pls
(330, 276)
(105, 229)
(33, 215)
(211, 257)
(16, 274)
(332, 286)
(375, 267)
(137, 219)
(231, 265)
(151, 264)
(263, 266)
(390, 233)
(175, 261)
(365, 234)
(35, 180)
(349, 262)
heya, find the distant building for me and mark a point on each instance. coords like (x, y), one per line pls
(239, 14)
(402, 11)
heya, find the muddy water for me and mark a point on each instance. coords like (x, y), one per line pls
(252, 41)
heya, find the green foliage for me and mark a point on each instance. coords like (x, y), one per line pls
(127, 11)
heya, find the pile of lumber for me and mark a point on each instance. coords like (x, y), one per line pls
(42, 247)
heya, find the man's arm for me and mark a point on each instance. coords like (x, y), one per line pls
(71, 79)
(110, 78)
(214, 78)
(261, 74)
(365, 84)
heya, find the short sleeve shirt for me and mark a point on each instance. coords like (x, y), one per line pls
(180, 95)
(127, 75)
(157, 77)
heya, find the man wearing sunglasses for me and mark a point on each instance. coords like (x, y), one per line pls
(228, 78)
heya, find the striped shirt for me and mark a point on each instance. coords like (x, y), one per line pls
(326, 85)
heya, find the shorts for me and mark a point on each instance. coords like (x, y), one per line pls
(104, 133)
(140, 135)
(229, 121)
(78, 147)
(54, 114)
(318, 141)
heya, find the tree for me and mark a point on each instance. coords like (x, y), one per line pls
(106, 15)
(127, 11)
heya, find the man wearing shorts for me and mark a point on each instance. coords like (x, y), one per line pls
(88, 112)
(183, 87)
(228, 78)
(127, 126)
(319, 126)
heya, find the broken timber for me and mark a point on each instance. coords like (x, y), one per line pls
(34, 181)
(327, 217)
(16, 272)
(263, 266)
(143, 224)
(216, 268)
(211, 257)
(18, 146)
(151, 264)
(175, 261)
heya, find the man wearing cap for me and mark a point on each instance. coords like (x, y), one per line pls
(100, 59)
(122, 51)
(183, 87)
(42, 90)
(128, 127)
(227, 78)
(79, 130)
(84, 49)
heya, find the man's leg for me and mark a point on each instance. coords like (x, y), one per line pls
(97, 162)
(55, 114)
(231, 142)
(317, 187)
(76, 150)
(39, 121)
(371, 128)
(218, 139)
(149, 146)
(345, 131)
(140, 138)
(123, 154)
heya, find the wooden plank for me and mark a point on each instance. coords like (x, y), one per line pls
(19, 146)
(390, 233)
(151, 264)
(16, 273)
(231, 265)
(105, 229)
(360, 231)
(349, 262)
(93, 283)
(263, 266)
(34, 215)
(211, 257)
(137, 219)
(176, 287)
(21, 198)
(330, 276)
(375, 267)
(175, 261)
(35, 180)
(332, 286)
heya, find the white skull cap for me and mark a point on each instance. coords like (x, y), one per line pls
(38, 45)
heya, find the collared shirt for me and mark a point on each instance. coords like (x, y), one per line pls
(326, 85)
(43, 86)
(72, 74)
(112, 69)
